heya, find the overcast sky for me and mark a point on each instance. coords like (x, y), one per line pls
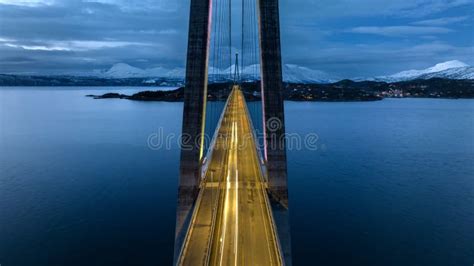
(347, 38)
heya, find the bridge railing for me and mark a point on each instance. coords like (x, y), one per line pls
(210, 151)
(263, 166)
(189, 230)
(203, 173)
(263, 170)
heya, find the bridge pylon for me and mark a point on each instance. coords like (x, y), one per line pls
(194, 117)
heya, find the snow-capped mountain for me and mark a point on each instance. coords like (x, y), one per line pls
(122, 70)
(454, 69)
(291, 73)
(299, 74)
(452, 73)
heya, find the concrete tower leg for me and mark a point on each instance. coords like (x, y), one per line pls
(195, 93)
(274, 117)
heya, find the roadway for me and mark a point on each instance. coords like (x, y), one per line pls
(232, 223)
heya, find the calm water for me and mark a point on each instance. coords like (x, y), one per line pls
(392, 182)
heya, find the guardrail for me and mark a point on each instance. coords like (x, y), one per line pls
(263, 170)
(204, 170)
(207, 158)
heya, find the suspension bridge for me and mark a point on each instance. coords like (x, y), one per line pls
(233, 196)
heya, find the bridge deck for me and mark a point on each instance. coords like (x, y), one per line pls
(232, 223)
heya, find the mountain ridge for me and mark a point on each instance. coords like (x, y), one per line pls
(454, 69)
(291, 73)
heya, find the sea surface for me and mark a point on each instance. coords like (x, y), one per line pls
(390, 183)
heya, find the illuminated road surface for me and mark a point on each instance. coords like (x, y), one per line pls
(232, 222)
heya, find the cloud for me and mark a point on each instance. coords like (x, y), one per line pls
(369, 8)
(393, 31)
(161, 5)
(37, 47)
(72, 45)
(53, 36)
(110, 31)
(30, 3)
(381, 58)
(441, 21)
(421, 8)
(94, 45)
(6, 40)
